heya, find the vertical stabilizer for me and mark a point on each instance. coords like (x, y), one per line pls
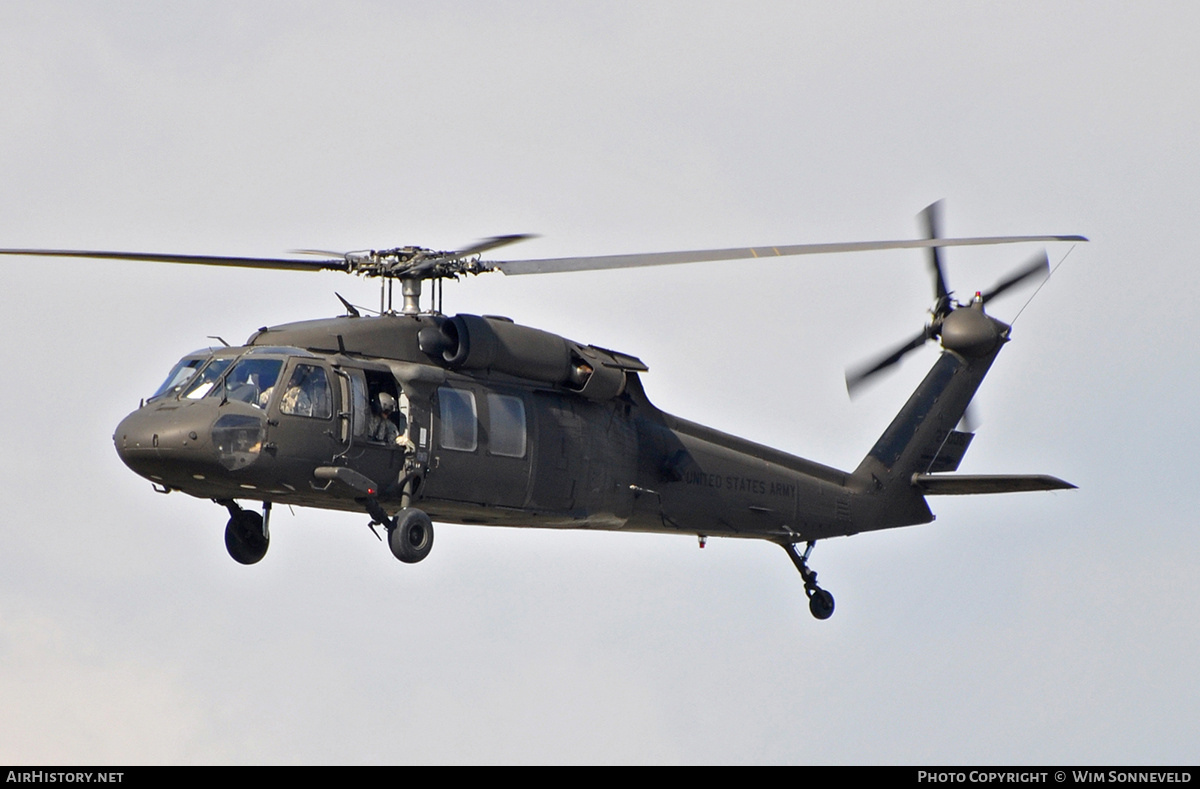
(916, 440)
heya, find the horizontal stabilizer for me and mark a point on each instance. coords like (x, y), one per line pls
(963, 484)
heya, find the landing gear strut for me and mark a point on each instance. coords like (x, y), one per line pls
(820, 602)
(247, 534)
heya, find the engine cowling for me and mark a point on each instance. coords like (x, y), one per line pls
(473, 342)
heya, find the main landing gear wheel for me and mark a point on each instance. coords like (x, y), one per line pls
(245, 538)
(820, 602)
(410, 535)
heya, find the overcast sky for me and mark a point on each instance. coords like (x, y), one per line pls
(1029, 628)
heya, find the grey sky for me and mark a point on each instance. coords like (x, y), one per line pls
(1027, 628)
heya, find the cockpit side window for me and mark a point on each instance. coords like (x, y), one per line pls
(307, 393)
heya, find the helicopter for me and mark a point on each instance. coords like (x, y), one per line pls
(413, 416)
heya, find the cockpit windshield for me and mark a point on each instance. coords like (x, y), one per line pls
(202, 383)
(203, 374)
(182, 373)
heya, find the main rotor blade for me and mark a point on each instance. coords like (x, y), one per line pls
(932, 216)
(339, 264)
(553, 265)
(857, 377)
(1039, 265)
(336, 261)
(486, 244)
(325, 253)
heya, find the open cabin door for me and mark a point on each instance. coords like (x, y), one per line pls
(369, 435)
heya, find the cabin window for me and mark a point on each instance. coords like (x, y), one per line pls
(506, 417)
(459, 421)
(307, 393)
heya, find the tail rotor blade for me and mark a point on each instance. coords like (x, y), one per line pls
(970, 419)
(1040, 265)
(858, 376)
(932, 219)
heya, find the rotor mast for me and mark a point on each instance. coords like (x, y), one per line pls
(411, 289)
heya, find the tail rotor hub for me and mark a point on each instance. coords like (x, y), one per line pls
(970, 331)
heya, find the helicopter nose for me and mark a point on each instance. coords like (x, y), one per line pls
(161, 441)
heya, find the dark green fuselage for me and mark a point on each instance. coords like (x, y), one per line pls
(512, 426)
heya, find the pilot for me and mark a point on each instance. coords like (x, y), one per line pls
(382, 427)
(297, 398)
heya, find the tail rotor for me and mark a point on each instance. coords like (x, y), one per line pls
(961, 327)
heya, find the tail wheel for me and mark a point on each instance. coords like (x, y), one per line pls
(411, 538)
(820, 603)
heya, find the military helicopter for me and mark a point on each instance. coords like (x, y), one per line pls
(412, 416)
